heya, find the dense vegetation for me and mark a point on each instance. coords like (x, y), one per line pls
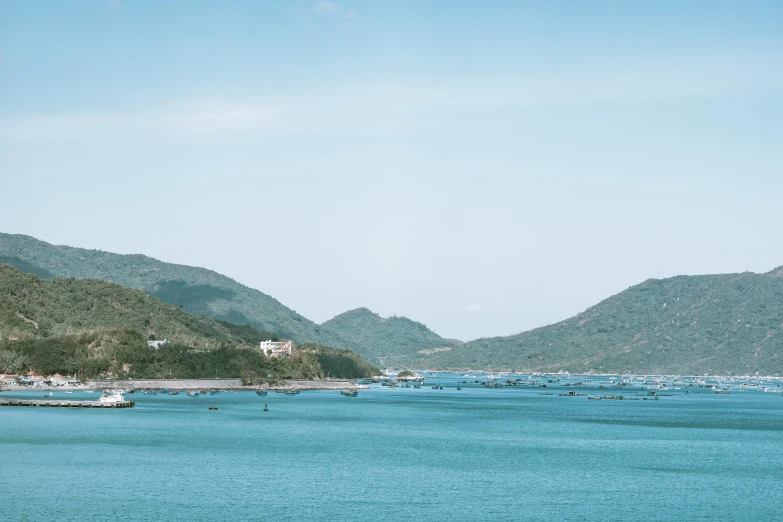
(715, 324)
(197, 290)
(383, 339)
(92, 328)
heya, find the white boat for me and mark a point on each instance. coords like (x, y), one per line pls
(112, 396)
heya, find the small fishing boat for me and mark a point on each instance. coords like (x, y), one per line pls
(350, 393)
(212, 409)
(192, 394)
(262, 393)
(292, 391)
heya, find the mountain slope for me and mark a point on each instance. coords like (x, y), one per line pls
(387, 338)
(715, 324)
(197, 290)
(32, 308)
(95, 328)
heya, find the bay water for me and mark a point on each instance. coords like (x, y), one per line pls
(390, 454)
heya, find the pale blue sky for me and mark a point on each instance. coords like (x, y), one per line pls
(482, 167)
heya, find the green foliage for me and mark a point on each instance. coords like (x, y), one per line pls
(12, 362)
(714, 324)
(339, 363)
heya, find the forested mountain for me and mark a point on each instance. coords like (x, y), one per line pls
(718, 324)
(387, 338)
(94, 328)
(715, 324)
(197, 290)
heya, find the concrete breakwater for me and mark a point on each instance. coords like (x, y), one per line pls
(221, 384)
(65, 404)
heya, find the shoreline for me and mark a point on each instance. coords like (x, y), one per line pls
(195, 384)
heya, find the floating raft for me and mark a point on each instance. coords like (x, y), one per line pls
(65, 404)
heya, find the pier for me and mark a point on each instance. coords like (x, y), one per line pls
(65, 404)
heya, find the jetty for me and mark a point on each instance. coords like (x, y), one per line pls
(65, 404)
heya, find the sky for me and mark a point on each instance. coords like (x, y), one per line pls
(482, 167)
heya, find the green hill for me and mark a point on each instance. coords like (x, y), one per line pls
(714, 324)
(198, 290)
(92, 328)
(385, 339)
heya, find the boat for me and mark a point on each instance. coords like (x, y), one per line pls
(69, 392)
(174, 392)
(112, 396)
(262, 393)
(349, 393)
(212, 409)
(292, 391)
(193, 394)
(459, 387)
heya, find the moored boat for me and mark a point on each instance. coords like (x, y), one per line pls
(112, 396)
(350, 393)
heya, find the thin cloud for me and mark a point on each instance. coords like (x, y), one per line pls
(400, 108)
(209, 120)
(326, 7)
(475, 307)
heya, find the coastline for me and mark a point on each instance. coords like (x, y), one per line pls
(197, 384)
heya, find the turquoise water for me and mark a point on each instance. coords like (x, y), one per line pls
(392, 454)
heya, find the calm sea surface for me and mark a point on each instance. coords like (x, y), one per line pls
(393, 454)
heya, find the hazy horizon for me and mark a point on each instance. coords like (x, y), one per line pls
(482, 168)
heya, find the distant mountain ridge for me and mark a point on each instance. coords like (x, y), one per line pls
(713, 324)
(387, 337)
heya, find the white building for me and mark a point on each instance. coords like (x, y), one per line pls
(157, 344)
(276, 349)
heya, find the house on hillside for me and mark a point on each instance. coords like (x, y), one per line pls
(276, 349)
(13, 338)
(157, 344)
